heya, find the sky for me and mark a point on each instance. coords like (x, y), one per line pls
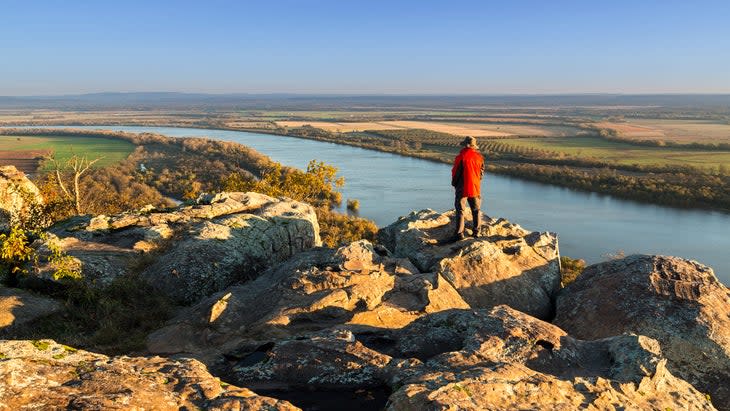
(365, 47)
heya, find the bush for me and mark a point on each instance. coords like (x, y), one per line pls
(337, 229)
(353, 205)
(113, 320)
(570, 269)
(17, 256)
(15, 253)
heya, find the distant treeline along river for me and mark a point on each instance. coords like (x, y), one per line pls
(590, 226)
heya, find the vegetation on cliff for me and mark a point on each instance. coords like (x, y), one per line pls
(161, 168)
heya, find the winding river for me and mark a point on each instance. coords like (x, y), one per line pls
(590, 226)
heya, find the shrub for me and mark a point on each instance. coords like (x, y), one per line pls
(113, 320)
(570, 269)
(337, 229)
(17, 256)
(15, 253)
(353, 205)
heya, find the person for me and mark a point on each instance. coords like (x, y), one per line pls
(466, 177)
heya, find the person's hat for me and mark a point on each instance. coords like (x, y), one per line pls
(470, 142)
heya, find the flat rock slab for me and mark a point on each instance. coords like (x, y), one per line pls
(19, 306)
(191, 251)
(46, 375)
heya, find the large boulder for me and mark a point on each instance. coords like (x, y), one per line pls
(504, 359)
(45, 375)
(506, 265)
(193, 250)
(678, 302)
(328, 359)
(316, 290)
(17, 194)
(18, 307)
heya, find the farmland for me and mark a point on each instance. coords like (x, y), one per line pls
(622, 153)
(679, 131)
(28, 152)
(494, 128)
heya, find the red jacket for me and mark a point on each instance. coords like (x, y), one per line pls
(466, 175)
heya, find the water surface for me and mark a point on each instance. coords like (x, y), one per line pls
(590, 226)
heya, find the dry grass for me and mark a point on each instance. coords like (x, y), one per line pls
(342, 127)
(491, 130)
(680, 131)
(476, 130)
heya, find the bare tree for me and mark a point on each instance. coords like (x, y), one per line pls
(76, 167)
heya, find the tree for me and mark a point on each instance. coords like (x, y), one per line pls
(72, 169)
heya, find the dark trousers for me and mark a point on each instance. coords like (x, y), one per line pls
(460, 205)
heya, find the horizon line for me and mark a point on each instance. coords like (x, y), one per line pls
(385, 94)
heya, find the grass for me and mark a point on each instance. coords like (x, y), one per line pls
(64, 147)
(624, 153)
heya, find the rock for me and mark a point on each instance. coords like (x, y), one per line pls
(678, 302)
(504, 359)
(17, 194)
(483, 359)
(18, 307)
(46, 375)
(196, 249)
(517, 387)
(334, 360)
(506, 265)
(313, 291)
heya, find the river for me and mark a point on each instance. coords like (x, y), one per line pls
(590, 226)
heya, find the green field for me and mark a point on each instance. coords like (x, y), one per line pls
(623, 153)
(65, 147)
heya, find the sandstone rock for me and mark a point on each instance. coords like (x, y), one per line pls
(506, 265)
(504, 359)
(498, 359)
(218, 241)
(311, 292)
(333, 359)
(18, 307)
(46, 375)
(17, 193)
(517, 387)
(678, 302)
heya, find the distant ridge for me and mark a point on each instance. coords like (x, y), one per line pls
(160, 100)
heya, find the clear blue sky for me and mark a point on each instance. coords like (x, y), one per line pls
(373, 46)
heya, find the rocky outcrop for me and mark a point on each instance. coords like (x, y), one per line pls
(18, 307)
(505, 359)
(496, 359)
(506, 265)
(316, 290)
(678, 302)
(46, 375)
(431, 323)
(17, 194)
(194, 250)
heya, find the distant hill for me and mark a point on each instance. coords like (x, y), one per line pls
(161, 100)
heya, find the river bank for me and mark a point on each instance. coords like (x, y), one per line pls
(590, 226)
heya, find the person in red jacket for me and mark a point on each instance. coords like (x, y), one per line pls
(466, 177)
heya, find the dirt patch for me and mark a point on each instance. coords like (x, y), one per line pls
(27, 161)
